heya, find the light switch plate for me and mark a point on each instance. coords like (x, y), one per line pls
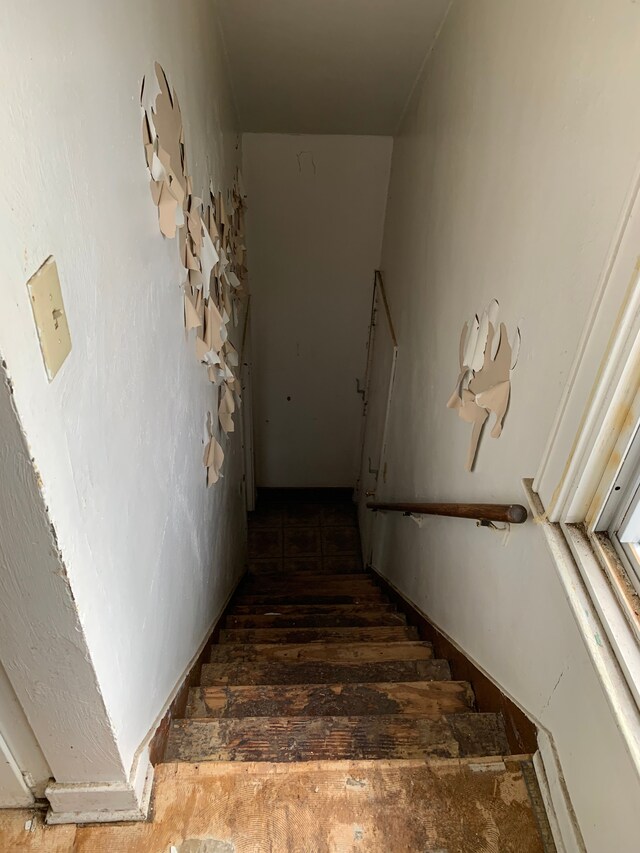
(50, 316)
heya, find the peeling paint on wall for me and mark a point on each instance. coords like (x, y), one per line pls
(483, 387)
(212, 251)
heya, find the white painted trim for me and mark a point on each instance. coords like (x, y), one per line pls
(616, 626)
(20, 740)
(106, 803)
(78, 803)
(15, 793)
(609, 417)
(555, 796)
(367, 384)
(612, 679)
(380, 305)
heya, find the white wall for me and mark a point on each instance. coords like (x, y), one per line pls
(508, 177)
(315, 219)
(150, 554)
(19, 741)
(43, 646)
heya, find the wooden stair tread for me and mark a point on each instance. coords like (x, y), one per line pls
(357, 580)
(296, 597)
(308, 609)
(319, 692)
(255, 571)
(389, 634)
(315, 620)
(285, 739)
(395, 806)
(322, 651)
(413, 698)
(314, 584)
(323, 672)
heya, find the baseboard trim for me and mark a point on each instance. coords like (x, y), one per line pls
(110, 802)
(103, 802)
(562, 820)
(521, 731)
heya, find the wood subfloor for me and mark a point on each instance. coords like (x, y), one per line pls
(459, 806)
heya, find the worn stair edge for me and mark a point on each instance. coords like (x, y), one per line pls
(307, 609)
(256, 571)
(285, 739)
(350, 652)
(330, 586)
(479, 764)
(321, 672)
(424, 698)
(310, 609)
(353, 619)
(355, 579)
(390, 634)
(297, 597)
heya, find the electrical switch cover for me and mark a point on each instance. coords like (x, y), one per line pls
(50, 316)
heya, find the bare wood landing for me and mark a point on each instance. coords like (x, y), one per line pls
(457, 806)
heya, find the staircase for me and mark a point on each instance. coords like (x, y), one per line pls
(315, 671)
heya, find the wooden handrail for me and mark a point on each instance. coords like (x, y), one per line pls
(507, 513)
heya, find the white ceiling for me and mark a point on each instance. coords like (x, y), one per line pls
(326, 66)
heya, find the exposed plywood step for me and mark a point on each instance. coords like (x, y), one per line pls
(366, 806)
(273, 599)
(315, 620)
(421, 698)
(307, 609)
(389, 634)
(346, 652)
(323, 672)
(285, 739)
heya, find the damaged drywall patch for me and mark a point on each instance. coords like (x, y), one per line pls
(483, 388)
(212, 251)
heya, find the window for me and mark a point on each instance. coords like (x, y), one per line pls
(620, 517)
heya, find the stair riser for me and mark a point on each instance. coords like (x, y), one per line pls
(389, 634)
(313, 588)
(329, 652)
(294, 598)
(308, 609)
(357, 579)
(412, 699)
(319, 672)
(345, 564)
(268, 573)
(320, 578)
(316, 620)
(283, 739)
